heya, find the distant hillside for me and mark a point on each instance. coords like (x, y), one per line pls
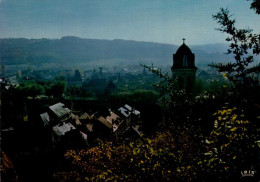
(76, 50)
(211, 48)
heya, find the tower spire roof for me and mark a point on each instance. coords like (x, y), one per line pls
(183, 40)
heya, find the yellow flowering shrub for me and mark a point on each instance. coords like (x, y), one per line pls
(231, 146)
(161, 157)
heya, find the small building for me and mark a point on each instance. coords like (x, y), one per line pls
(86, 116)
(130, 114)
(57, 113)
(62, 128)
(69, 136)
(60, 112)
(45, 118)
(108, 125)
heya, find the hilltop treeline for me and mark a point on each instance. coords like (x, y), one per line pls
(73, 49)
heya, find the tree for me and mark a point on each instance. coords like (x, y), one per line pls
(233, 144)
(174, 99)
(255, 5)
(56, 89)
(30, 88)
(241, 74)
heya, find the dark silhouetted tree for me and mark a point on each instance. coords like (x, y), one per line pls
(243, 43)
(56, 90)
(255, 5)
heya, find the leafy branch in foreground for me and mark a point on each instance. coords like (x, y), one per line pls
(173, 99)
(242, 42)
(255, 5)
(167, 85)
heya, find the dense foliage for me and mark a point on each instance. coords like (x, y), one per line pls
(231, 145)
(255, 5)
(148, 159)
(242, 76)
(174, 155)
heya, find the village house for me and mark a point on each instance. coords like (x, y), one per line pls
(129, 114)
(66, 126)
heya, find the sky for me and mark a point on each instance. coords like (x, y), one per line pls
(163, 21)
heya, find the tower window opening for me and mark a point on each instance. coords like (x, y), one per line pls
(185, 61)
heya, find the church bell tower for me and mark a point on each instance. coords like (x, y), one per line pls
(184, 69)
